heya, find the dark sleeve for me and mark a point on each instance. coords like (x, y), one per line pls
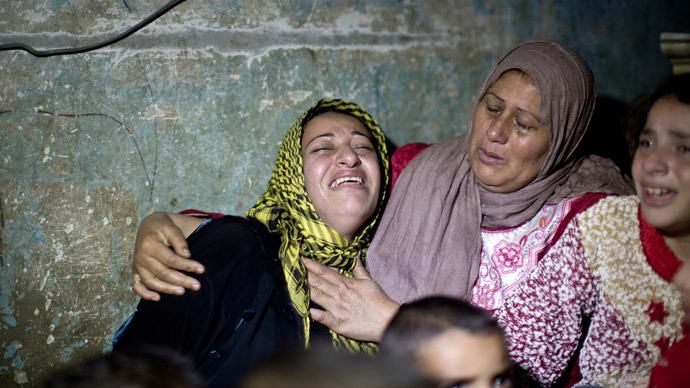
(214, 324)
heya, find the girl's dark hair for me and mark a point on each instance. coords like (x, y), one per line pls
(677, 86)
(421, 320)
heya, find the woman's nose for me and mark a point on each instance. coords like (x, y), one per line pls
(348, 157)
(656, 161)
(498, 130)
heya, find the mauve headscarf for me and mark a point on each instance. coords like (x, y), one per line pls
(429, 240)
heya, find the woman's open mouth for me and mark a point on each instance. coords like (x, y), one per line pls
(349, 180)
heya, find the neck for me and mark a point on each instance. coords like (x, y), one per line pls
(679, 245)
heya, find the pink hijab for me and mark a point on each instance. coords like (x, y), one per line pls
(429, 239)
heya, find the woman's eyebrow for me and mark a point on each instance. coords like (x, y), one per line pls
(529, 112)
(673, 132)
(489, 92)
(329, 135)
(524, 110)
(360, 133)
(679, 134)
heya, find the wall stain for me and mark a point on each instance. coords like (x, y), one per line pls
(150, 178)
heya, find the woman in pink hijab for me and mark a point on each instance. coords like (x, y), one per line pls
(472, 216)
(479, 209)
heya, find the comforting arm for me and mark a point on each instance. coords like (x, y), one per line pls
(161, 252)
(354, 307)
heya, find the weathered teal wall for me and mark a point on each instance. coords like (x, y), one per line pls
(189, 112)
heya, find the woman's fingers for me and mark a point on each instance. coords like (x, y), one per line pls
(178, 257)
(321, 290)
(157, 259)
(359, 271)
(354, 307)
(169, 263)
(328, 275)
(159, 277)
(140, 289)
(323, 317)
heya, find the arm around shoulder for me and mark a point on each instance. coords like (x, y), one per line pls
(161, 252)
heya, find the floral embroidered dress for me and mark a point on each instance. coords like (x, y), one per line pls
(607, 264)
(508, 255)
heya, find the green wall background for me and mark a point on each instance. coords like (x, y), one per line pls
(189, 113)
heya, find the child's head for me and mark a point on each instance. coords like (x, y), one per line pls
(661, 169)
(146, 367)
(451, 341)
(323, 366)
(661, 164)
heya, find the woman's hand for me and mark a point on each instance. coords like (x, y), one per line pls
(354, 307)
(159, 251)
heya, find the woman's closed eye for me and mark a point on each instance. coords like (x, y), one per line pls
(321, 149)
(363, 148)
(492, 109)
(320, 146)
(521, 125)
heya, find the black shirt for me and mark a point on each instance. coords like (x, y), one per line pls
(241, 314)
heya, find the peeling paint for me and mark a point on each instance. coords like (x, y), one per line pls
(20, 377)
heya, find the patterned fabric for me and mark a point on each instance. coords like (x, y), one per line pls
(596, 269)
(508, 255)
(285, 208)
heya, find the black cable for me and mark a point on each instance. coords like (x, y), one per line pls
(78, 50)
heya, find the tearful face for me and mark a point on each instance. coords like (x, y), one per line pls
(341, 171)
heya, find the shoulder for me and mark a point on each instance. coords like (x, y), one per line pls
(220, 228)
(568, 210)
(225, 238)
(610, 222)
(420, 153)
(617, 213)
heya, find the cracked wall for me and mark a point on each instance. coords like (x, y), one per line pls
(189, 112)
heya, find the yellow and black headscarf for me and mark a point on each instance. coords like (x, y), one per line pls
(286, 208)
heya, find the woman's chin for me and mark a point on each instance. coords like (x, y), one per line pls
(348, 223)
